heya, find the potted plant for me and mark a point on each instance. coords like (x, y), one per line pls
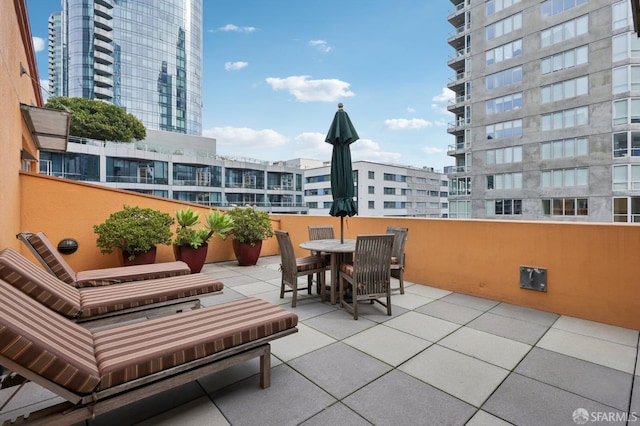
(191, 244)
(250, 227)
(136, 231)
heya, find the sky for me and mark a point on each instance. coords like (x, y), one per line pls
(274, 72)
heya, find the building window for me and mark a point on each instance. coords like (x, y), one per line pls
(504, 130)
(625, 46)
(406, 192)
(504, 207)
(421, 180)
(626, 144)
(421, 205)
(565, 207)
(505, 181)
(564, 148)
(460, 209)
(560, 178)
(372, 205)
(389, 191)
(394, 178)
(553, 7)
(493, 6)
(565, 89)
(504, 155)
(563, 60)
(502, 53)
(504, 103)
(372, 190)
(565, 119)
(626, 78)
(626, 209)
(327, 204)
(504, 26)
(371, 174)
(626, 111)
(313, 205)
(621, 13)
(396, 205)
(421, 192)
(504, 78)
(626, 177)
(460, 186)
(565, 31)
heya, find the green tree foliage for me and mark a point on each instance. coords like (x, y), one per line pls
(99, 120)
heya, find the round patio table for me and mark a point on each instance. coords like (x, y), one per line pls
(338, 251)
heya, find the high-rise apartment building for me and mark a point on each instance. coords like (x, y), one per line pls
(142, 55)
(547, 110)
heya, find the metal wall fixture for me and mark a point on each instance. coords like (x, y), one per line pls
(68, 246)
(532, 278)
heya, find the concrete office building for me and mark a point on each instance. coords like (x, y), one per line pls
(380, 189)
(547, 110)
(143, 55)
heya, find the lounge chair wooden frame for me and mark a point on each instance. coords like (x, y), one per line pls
(78, 408)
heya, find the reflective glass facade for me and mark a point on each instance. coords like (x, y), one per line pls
(142, 55)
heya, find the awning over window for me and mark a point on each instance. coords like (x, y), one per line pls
(49, 127)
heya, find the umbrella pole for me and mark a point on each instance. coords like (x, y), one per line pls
(341, 229)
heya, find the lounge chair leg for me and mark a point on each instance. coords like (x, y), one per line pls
(265, 367)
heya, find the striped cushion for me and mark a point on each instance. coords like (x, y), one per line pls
(23, 274)
(136, 350)
(309, 263)
(347, 268)
(52, 258)
(42, 341)
(108, 276)
(105, 299)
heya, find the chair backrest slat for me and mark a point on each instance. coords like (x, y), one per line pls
(399, 240)
(371, 263)
(287, 256)
(321, 232)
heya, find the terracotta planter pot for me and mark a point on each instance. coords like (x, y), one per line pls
(195, 258)
(141, 258)
(247, 254)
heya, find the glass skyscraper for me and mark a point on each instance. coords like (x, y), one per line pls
(142, 55)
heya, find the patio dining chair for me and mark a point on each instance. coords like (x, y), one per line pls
(369, 275)
(322, 232)
(292, 268)
(397, 254)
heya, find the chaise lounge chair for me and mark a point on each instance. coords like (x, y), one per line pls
(124, 301)
(52, 261)
(98, 371)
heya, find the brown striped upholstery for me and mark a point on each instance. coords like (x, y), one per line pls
(50, 257)
(102, 300)
(46, 343)
(136, 350)
(23, 274)
(53, 347)
(86, 303)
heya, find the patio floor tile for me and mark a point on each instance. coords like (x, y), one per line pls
(397, 399)
(527, 402)
(470, 301)
(409, 300)
(339, 369)
(450, 311)
(511, 328)
(337, 414)
(603, 352)
(462, 376)
(200, 412)
(482, 418)
(338, 324)
(593, 381)
(423, 326)
(387, 344)
(525, 314)
(620, 335)
(496, 350)
(290, 400)
(304, 341)
(426, 291)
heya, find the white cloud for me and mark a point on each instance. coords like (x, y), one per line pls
(306, 90)
(243, 137)
(431, 150)
(403, 123)
(38, 44)
(237, 29)
(368, 150)
(411, 110)
(44, 86)
(234, 66)
(441, 101)
(321, 45)
(312, 145)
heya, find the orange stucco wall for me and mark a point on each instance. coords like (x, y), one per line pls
(15, 51)
(590, 271)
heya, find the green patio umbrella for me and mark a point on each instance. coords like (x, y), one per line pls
(341, 135)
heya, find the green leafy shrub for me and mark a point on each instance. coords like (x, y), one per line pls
(249, 224)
